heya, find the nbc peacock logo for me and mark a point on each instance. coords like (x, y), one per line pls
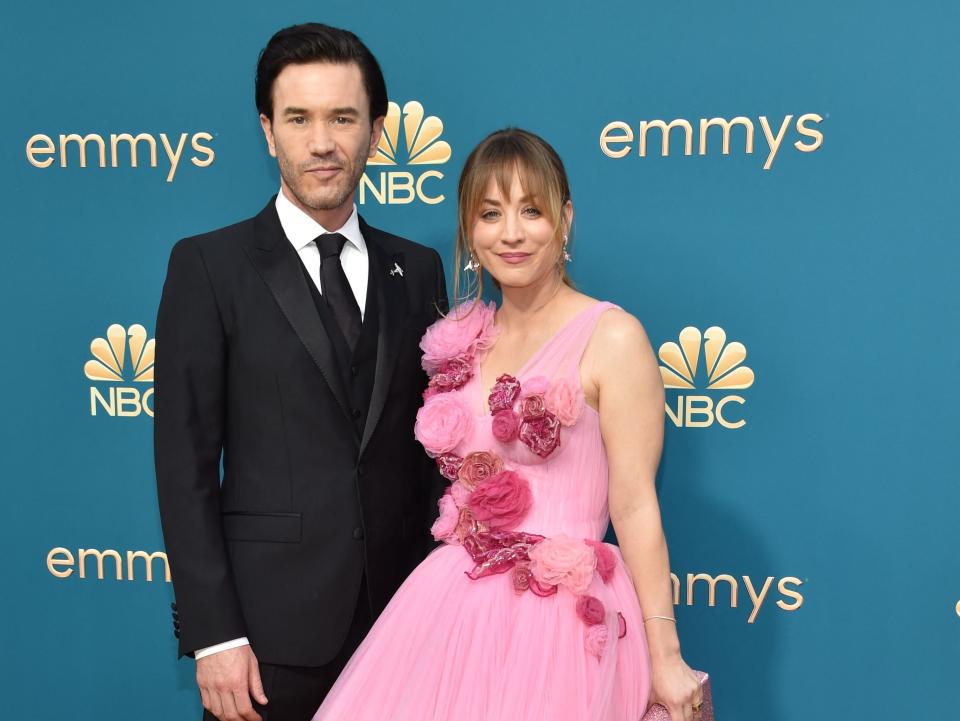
(722, 369)
(419, 145)
(124, 357)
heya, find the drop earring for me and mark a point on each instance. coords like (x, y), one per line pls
(566, 256)
(473, 265)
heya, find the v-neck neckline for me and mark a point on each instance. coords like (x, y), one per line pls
(485, 389)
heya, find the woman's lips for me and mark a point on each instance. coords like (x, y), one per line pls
(514, 258)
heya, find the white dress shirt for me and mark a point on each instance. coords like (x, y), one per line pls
(302, 230)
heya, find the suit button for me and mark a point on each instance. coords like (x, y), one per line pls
(358, 533)
(357, 413)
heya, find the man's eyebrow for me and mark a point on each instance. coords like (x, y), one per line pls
(333, 111)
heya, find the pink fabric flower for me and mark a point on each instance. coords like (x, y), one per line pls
(449, 465)
(442, 423)
(595, 640)
(565, 400)
(478, 467)
(468, 525)
(540, 589)
(563, 561)
(505, 425)
(606, 560)
(590, 610)
(467, 329)
(621, 625)
(532, 407)
(541, 435)
(521, 577)
(536, 386)
(503, 501)
(503, 393)
(453, 374)
(461, 496)
(446, 522)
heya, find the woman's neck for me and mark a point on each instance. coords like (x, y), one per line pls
(523, 306)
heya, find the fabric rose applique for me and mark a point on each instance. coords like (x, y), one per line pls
(483, 497)
(456, 338)
(505, 425)
(563, 561)
(534, 411)
(449, 348)
(442, 423)
(478, 467)
(502, 500)
(565, 399)
(448, 519)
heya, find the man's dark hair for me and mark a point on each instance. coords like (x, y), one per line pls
(313, 43)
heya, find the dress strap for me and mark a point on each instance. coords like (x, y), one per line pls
(561, 358)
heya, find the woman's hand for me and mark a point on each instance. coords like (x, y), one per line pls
(675, 686)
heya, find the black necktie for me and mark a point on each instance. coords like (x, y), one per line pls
(336, 289)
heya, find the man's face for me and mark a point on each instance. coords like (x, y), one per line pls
(320, 133)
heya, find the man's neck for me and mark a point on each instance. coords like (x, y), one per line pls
(332, 219)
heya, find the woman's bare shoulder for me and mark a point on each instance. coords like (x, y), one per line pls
(619, 330)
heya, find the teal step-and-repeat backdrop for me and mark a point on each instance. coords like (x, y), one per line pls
(770, 187)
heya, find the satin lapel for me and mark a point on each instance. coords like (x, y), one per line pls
(392, 306)
(277, 263)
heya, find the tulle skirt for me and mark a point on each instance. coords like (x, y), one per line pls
(448, 648)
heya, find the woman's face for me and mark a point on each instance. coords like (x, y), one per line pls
(512, 237)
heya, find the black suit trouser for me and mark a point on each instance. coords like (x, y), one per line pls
(294, 693)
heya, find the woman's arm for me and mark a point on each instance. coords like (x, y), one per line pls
(623, 378)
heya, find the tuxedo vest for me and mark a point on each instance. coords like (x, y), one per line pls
(357, 366)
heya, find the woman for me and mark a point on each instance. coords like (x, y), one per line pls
(546, 414)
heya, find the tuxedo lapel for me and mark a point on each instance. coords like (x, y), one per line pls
(392, 305)
(277, 263)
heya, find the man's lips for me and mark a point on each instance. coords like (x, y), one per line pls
(324, 171)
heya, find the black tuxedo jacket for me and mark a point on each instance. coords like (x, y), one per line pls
(245, 372)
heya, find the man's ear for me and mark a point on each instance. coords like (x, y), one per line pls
(267, 126)
(375, 132)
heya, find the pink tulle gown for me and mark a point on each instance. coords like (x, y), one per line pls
(522, 614)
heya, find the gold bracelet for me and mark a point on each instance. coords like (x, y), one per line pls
(665, 618)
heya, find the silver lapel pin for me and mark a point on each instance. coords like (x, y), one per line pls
(397, 270)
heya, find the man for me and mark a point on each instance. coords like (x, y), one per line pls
(288, 345)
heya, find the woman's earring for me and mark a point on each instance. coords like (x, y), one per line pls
(473, 265)
(566, 255)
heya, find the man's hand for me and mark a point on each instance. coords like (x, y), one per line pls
(227, 680)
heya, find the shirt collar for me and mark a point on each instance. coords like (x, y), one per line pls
(301, 229)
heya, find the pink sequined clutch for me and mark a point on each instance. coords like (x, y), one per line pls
(659, 713)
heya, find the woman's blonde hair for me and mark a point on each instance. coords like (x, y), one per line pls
(542, 176)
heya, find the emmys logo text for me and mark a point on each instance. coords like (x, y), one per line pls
(722, 366)
(107, 564)
(110, 364)
(122, 150)
(617, 137)
(759, 591)
(423, 146)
